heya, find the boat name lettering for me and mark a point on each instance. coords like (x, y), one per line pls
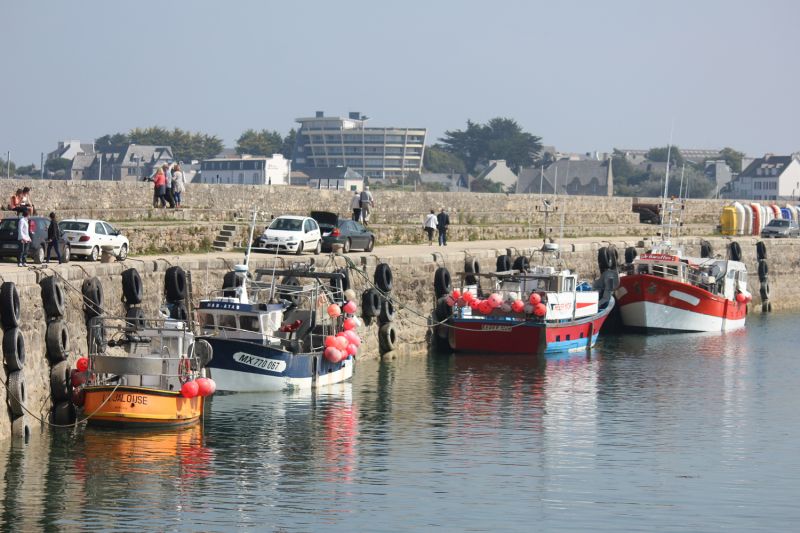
(561, 307)
(273, 365)
(659, 257)
(123, 397)
(221, 305)
(493, 327)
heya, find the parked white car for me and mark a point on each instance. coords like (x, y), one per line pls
(87, 237)
(290, 234)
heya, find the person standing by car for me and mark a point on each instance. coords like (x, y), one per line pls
(24, 238)
(430, 225)
(54, 237)
(442, 222)
(355, 205)
(367, 202)
(178, 185)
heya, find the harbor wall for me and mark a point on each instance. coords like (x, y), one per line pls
(413, 294)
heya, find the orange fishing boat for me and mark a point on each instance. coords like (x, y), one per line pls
(149, 373)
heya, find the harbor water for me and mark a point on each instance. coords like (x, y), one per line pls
(683, 432)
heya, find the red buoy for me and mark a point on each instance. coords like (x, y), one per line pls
(82, 364)
(190, 389)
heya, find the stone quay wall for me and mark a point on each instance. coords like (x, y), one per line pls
(413, 293)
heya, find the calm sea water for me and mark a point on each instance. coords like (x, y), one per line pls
(651, 433)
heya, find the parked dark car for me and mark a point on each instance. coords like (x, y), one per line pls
(648, 213)
(9, 245)
(349, 233)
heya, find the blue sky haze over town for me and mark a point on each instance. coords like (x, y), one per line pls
(582, 75)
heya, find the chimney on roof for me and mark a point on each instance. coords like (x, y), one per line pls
(320, 114)
(355, 115)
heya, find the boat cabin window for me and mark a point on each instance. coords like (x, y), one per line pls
(206, 320)
(250, 323)
(569, 284)
(670, 270)
(226, 321)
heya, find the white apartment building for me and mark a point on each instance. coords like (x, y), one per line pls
(246, 170)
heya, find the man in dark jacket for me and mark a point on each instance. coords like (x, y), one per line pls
(54, 237)
(442, 221)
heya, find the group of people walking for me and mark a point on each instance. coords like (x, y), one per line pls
(434, 222)
(168, 186)
(54, 237)
(362, 204)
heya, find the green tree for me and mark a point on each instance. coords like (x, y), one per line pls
(185, 145)
(287, 147)
(4, 167)
(659, 155)
(437, 159)
(54, 165)
(733, 158)
(27, 170)
(500, 138)
(262, 142)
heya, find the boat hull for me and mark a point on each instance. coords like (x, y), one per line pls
(139, 407)
(498, 336)
(240, 366)
(652, 302)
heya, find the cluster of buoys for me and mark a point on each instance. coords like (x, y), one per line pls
(512, 303)
(750, 218)
(346, 342)
(202, 387)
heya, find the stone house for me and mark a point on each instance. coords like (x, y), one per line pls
(587, 177)
(498, 172)
(772, 177)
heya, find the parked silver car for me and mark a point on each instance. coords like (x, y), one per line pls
(778, 227)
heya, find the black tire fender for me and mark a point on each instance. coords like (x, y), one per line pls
(761, 250)
(132, 287)
(705, 249)
(16, 393)
(387, 337)
(64, 414)
(20, 429)
(734, 251)
(630, 254)
(603, 260)
(371, 303)
(388, 311)
(9, 305)
(522, 264)
(384, 277)
(60, 382)
(52, 297)
(92, 291)
(175, 284)
(14, 349)
(503, 263)
(763, 270)
(471, 266)
(57, 341)
(134, 317)
(442, 282)
(179, 311)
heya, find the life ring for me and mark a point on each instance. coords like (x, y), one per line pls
(9, 305)
(60, 382)
(92, 291)
(471, 266)
(734, 251)
(384, 277)
(387, 311)
(371, 303)
(603, 260)
(442, 282)
(132, 286)
(761, 250)
(630, 254)
(175, 284)
(14, 349)
(763, 270)
(64, 414)
(387, 337)
(522, 264)
(57, 341)
(16, 393)
(52, 297)
(179, 311)
(134, 317)
(503, 263)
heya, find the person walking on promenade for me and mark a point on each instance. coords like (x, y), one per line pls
(355, 205)
(168, 186)
(367, 201)
(430, 225)
(178, 185)
(159, 189)
(442, 222)
(54, 237)
(24, 238)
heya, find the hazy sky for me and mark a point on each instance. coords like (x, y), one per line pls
(584, 76)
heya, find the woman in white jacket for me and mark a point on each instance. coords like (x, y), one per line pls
(430, 226)
(178, 185)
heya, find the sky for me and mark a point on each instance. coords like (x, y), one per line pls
(583, 75)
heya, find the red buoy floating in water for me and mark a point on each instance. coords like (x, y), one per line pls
(205, 387)
(190, 389)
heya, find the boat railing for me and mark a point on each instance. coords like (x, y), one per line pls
(683, 272)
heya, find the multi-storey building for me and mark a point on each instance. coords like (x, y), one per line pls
(772, 177)
(377, 153)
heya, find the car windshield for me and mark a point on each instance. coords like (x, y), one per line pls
(9, 223)
(71, 225)
(775, 223)
(287, 224)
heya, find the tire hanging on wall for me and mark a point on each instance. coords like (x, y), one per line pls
(763, 270)
(763, 291)
(441, 314)
(52, 297)
(522, 264)
(734, 251)
(179, 311)
(92, 291)
(9, 305)
(371, 303)
(384, 277)
(471, 266)
(387, 338)
(613, 257)
(630, 254)
(60, 382)
(387, 311)
(64, 414)
(20, 429)
(57, 341)
(503, 263)
(761, 250)
(14, 349)
(132, 287)
(603, 260)
(705, 249)
(442, 282)
(230, 282)
(16, 393)
(175, 284)
(134, 317)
